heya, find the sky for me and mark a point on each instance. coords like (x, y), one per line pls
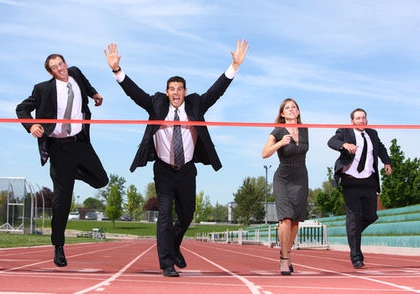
(330, 56)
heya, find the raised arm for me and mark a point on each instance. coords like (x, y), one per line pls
(240, 54)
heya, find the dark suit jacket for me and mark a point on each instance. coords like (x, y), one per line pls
(44, 101)
(157, 106)
(346, 135)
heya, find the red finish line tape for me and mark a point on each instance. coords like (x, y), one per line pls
(202, 123)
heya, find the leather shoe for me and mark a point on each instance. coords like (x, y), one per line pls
(358, 264)
(59, 257)
(169, 271)
(179, 260)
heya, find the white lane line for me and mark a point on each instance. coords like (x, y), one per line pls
(402, 287)
(49, 260)
(251, 286)
(107, 282)
(24, 292)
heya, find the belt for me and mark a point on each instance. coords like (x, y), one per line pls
(175, 167)
(80, 137)
(354, 178)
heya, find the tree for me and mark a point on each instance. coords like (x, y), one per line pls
(151, 204)
(330, 199)
(93, 203)
(150, 191)
(219, 213)
(134, 202)
(250, 201)
(402, 187)
(203, 207)
(114, 180)
(113, 208)
(44, 196)
(312, 211)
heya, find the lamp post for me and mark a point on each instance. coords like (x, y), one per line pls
(266, 192)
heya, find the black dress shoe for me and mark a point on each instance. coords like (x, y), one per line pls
(179, 260)
(169, 271)
(59, 257)
(358, 264)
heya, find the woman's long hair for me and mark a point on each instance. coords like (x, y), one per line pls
(280, 119)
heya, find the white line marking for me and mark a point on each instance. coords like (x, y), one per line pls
(251, 286)
(107, 282)
(402, 287)
(49, 260)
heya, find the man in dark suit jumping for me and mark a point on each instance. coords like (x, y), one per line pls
(357, 168)
(67, 145)
(173, 156)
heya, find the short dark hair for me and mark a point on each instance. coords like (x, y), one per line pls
(52, 56)
(176, 79)
(357, 109)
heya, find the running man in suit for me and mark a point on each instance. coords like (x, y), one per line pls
(175, 182)
(67, 145)
(360, 182)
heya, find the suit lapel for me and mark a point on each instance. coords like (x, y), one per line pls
(53, 93)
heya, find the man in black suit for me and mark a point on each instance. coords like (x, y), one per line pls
(67, 145)
(175, 182)
(357, 168)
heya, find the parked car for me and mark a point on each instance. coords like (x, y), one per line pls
(90, 215)
(126, 218)
(74, 215)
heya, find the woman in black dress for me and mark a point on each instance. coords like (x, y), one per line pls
(290, 182)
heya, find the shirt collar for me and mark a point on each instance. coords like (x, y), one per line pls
(180, 108)
(64, 84)
(358, 133)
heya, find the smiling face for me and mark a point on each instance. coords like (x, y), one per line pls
(359, 119)
(176, 92)
(57, 67)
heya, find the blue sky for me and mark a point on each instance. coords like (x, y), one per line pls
(331, 56)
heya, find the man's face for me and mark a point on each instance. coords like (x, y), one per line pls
(359, 119)
(176, 93)
(59, 69)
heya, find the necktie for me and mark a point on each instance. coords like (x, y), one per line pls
(177, 143)
(67, 113)
(362, 160)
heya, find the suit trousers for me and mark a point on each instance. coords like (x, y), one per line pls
(173, 187)
(70, 161)
(360, 196)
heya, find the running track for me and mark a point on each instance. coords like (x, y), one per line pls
(131, 266)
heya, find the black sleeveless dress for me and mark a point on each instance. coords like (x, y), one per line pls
(290, 181)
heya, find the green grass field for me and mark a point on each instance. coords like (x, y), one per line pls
(138, 229)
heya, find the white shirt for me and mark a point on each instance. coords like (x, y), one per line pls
(352, 169)
(163, 137)
(76, 113)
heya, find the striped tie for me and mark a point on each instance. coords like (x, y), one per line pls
(177, 142)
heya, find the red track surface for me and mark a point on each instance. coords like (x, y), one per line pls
(131, 266)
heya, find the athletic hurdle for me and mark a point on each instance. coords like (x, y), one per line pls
(311, 234)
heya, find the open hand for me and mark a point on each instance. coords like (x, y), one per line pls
(112, 56)
(242, 48)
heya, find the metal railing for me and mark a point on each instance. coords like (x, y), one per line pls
(311, 234)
